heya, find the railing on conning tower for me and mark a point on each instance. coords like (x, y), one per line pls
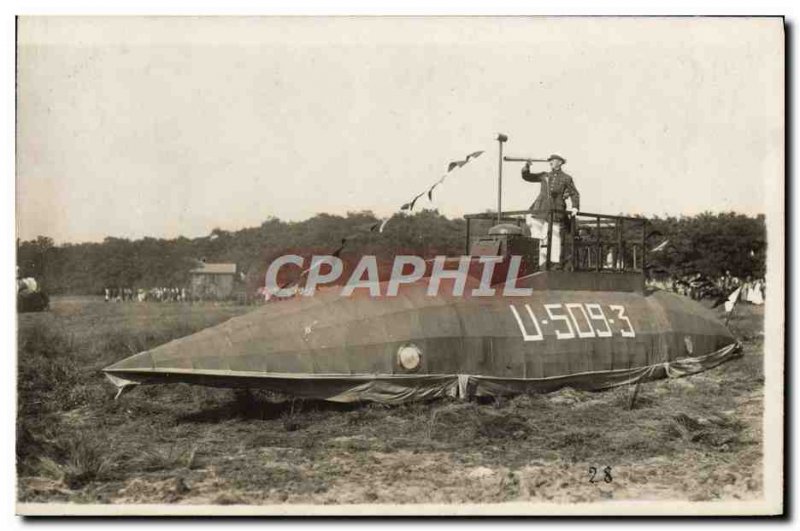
(590, 242)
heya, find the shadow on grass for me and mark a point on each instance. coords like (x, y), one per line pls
(246, 405)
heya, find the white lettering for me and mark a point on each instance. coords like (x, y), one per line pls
(559, 333)
(458, 275)
(397, 272)
(581, 333)
(271, 278)
(315, 278)
(485, 289)
(538, 336)
(597, 314)
(370, 265)
(630, 332)
(510, 288)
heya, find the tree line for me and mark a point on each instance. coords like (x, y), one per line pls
(709, 244)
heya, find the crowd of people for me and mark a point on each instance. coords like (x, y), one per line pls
(699, 287)
(695, 286)
(160, 294)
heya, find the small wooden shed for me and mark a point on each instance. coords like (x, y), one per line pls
(212, 281)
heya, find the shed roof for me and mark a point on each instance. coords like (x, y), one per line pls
(215, 269)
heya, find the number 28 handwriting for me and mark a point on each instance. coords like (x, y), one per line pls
(572, 320)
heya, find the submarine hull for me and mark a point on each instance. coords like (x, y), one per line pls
(414, 346)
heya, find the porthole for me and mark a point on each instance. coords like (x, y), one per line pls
(409, 357)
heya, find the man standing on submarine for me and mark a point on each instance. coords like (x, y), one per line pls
(556, 188)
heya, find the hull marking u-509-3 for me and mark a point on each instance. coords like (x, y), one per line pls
(564, 318)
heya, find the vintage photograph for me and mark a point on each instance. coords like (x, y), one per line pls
(399, 265)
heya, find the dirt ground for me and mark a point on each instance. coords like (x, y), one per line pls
(695, 438)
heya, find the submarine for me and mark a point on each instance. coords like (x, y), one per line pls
(584, 319)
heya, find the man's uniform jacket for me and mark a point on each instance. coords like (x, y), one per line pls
(555, 185)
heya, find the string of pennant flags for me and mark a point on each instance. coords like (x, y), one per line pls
(380, 225)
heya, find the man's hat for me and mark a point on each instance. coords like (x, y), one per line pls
(557, 157)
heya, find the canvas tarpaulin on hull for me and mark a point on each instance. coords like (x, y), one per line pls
(348, 348)
(393, 389)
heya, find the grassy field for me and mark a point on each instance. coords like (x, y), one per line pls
(696, 438)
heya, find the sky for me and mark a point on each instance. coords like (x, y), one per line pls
(165, 127)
